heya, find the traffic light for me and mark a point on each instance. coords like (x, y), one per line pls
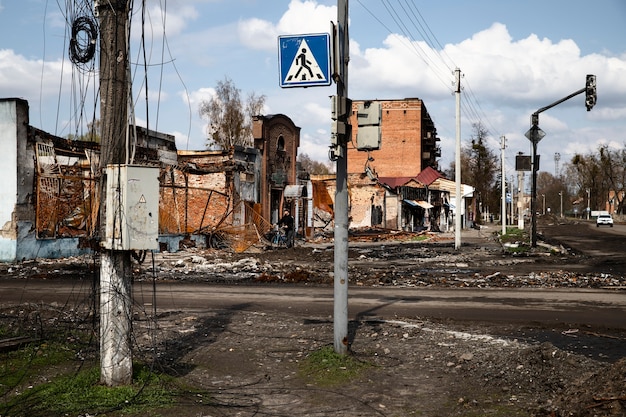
(590, 92)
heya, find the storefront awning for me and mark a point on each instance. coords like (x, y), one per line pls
(424, 204)
(418, 203)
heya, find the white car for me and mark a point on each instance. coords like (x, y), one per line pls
(604, 219)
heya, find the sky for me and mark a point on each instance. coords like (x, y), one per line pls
(515, 57)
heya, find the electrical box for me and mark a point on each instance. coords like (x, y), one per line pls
(369, 115)
(132, 208)
(340, 107)
(368, 138)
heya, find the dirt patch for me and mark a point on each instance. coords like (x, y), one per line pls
(249, 362)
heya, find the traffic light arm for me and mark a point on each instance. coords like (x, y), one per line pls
(590, 101)
(535, 115)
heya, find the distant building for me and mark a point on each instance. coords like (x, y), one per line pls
(409, 140)
(397, 186)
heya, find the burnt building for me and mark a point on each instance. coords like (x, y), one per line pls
(277, 138)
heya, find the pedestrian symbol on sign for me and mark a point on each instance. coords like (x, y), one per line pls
(304, 60)
(305, 67)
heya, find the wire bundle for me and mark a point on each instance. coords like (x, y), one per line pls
(83, 40)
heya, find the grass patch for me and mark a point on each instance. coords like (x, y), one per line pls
(23, 364)
(325, 367)
(513, 234)
(515, 240)
(82, 393)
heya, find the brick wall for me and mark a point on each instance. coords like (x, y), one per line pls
(189, 202)
(401, 148)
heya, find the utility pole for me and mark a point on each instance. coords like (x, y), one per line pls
(503, 219)
(457, 163)
(520, 200)
(115, 269)
(341, 193)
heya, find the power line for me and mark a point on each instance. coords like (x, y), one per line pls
(409, 16)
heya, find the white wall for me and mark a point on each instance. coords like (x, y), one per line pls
(8, 169)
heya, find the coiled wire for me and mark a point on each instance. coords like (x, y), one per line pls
(83, 42)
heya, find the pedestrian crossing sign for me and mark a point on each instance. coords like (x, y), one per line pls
(304, 60)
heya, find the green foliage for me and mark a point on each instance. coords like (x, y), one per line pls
(325, 367)
(513, 234)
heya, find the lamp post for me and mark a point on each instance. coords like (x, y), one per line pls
(561, 194)
(588, 204)
(543, 196)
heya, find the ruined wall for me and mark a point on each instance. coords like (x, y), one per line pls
(391, 211)
(366, 202)
(190, 202)
(10, 119)
(277, 139)
(370, 204)
(400, 154)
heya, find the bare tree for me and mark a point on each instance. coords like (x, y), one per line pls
(229, 119)
(548, 189)
(313, 167)
(603, 173)
(479, 168)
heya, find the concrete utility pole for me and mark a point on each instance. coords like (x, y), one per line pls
(341, 192)
(520, 200)
(116, 366)
(457, 163)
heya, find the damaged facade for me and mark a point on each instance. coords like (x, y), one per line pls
(50, 202)
(397, 186)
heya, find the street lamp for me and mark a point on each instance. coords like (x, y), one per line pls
(561, 194)
(544, 203)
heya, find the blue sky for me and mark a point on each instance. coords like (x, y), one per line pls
(515, 58)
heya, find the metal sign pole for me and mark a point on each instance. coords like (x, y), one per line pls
(341, 194)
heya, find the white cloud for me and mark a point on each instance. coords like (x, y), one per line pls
(22, 77)
(196, 97)
(175, 19)
(301, 17)
(257, 33)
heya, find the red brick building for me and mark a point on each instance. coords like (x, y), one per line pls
(409, 140)
(277, 138)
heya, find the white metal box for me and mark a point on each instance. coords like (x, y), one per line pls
(368, 138)
(132, 208)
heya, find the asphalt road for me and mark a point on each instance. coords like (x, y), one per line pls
(604, 246)
(598, 311)
(579, 307)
